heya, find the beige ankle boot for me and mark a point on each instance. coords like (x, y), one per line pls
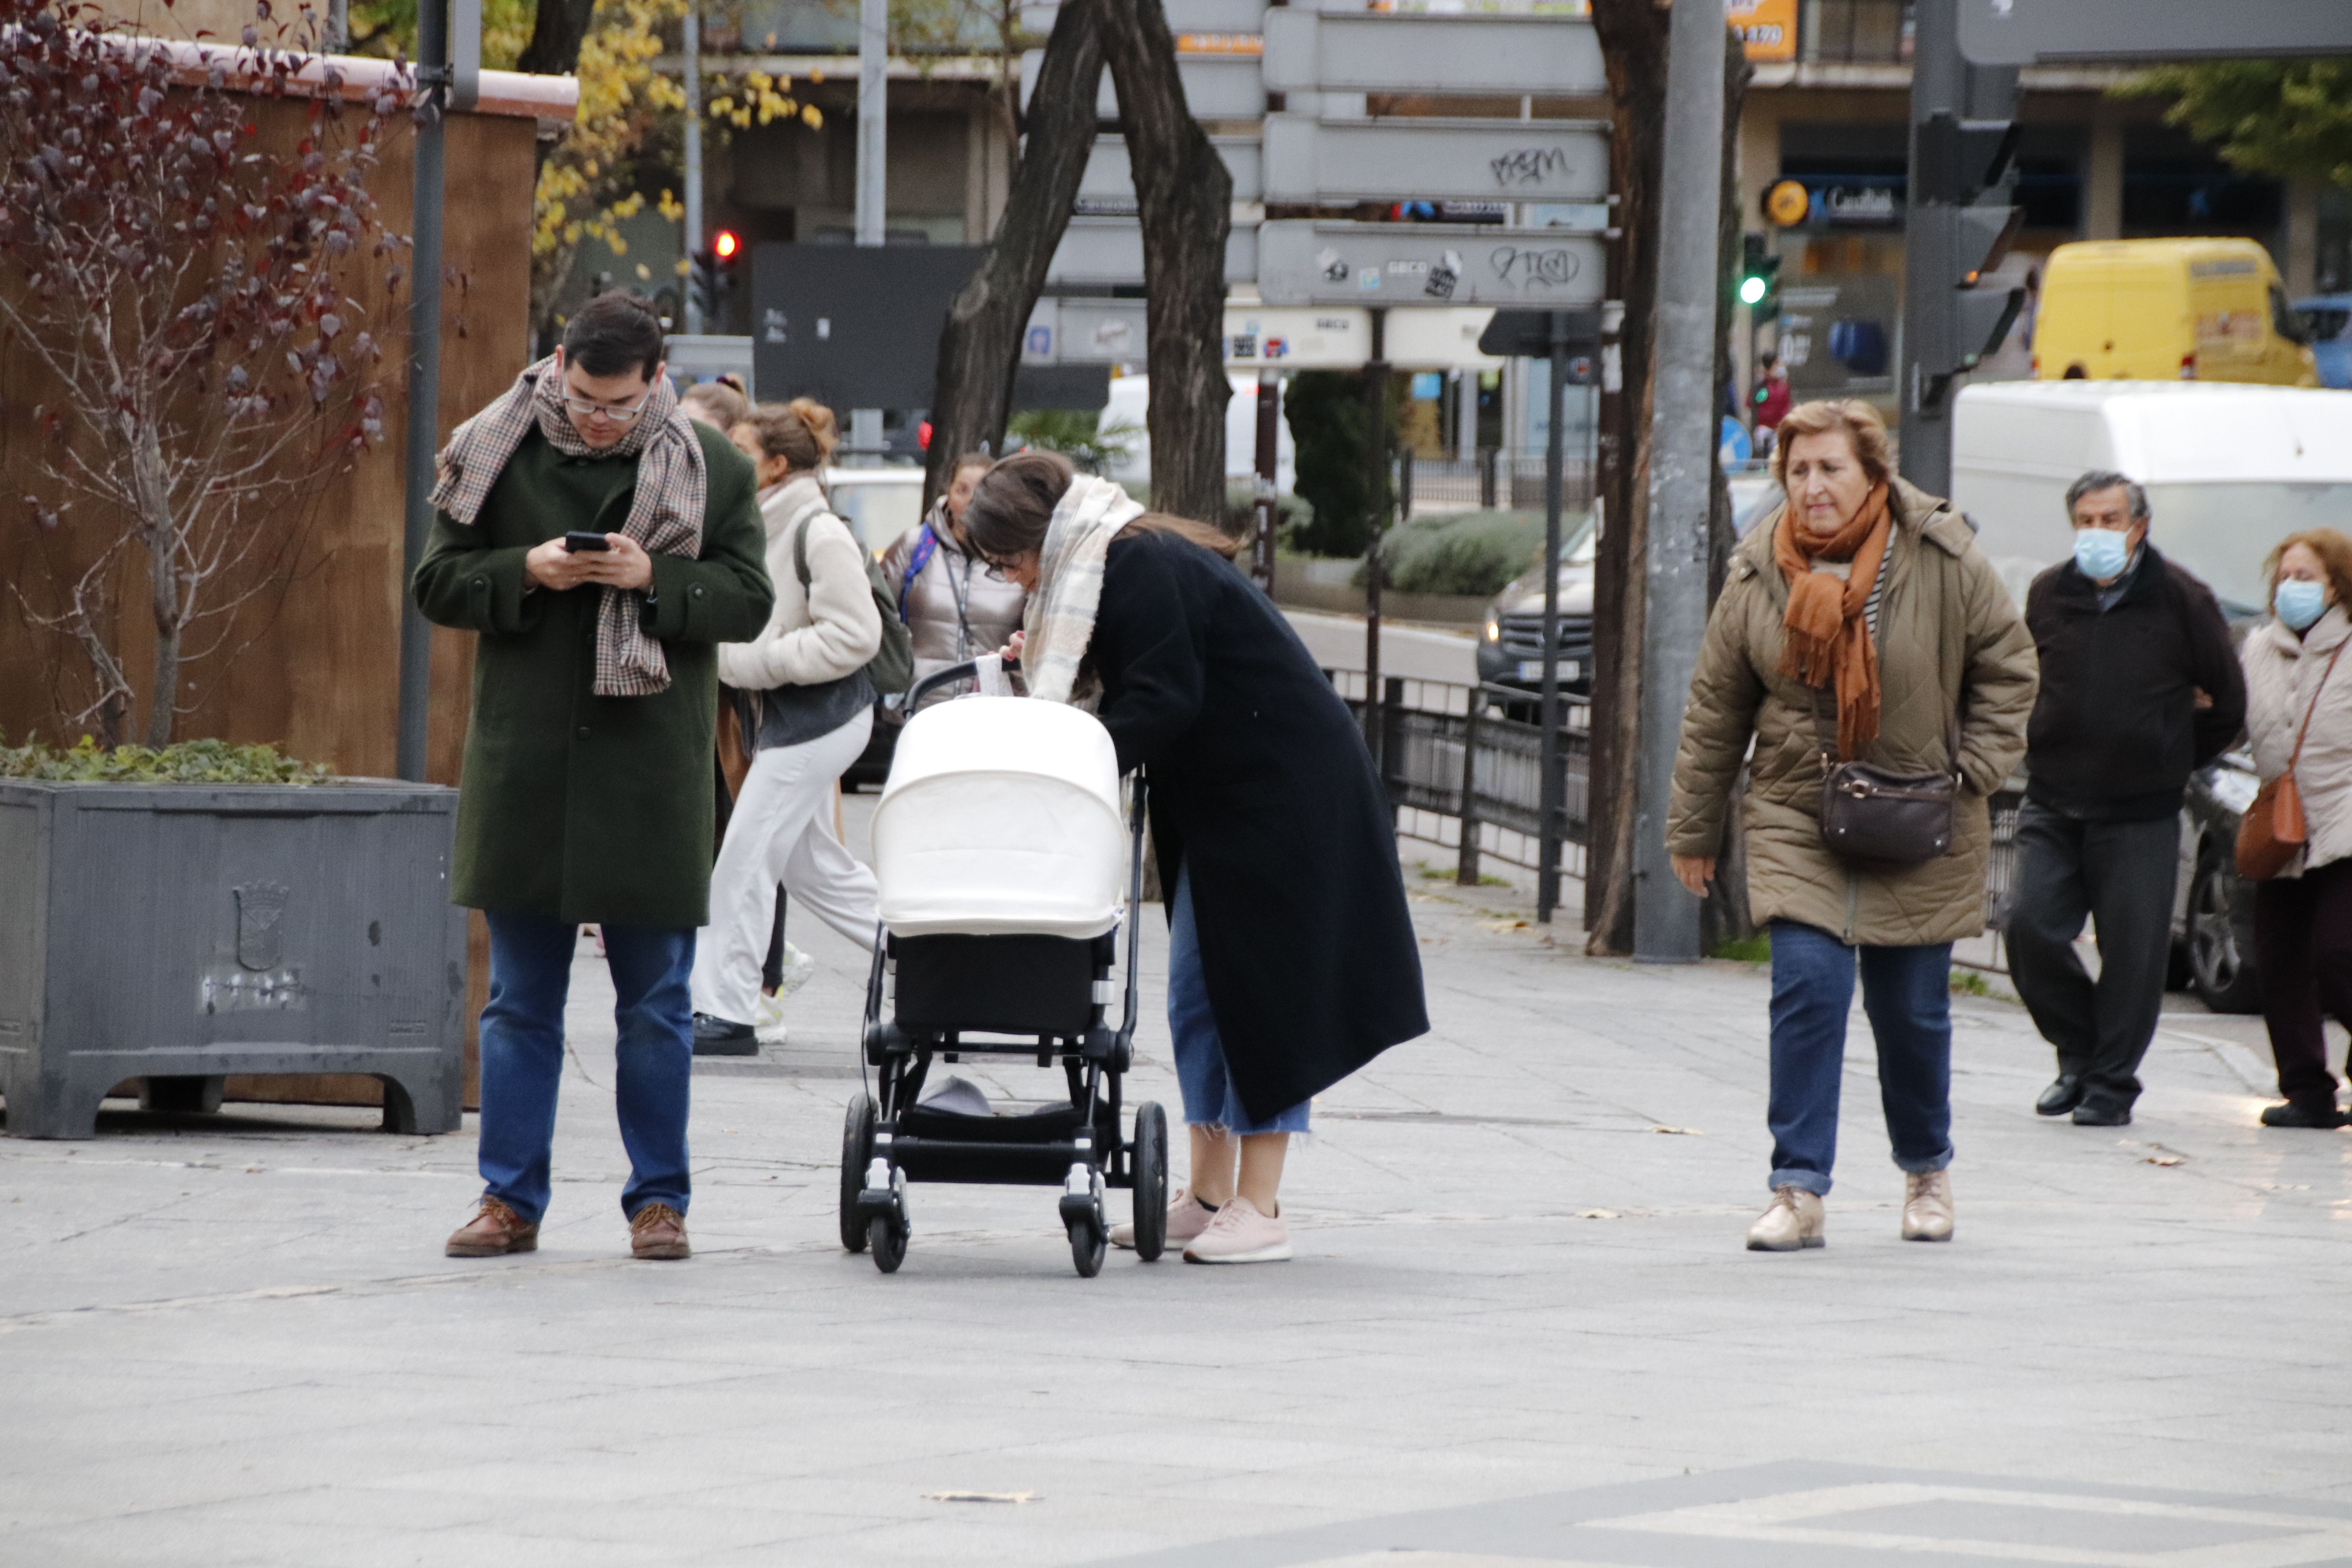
(1793, 1221)
(1927, 1206)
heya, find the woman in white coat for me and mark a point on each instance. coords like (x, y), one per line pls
(2299, 715)
(811, 709)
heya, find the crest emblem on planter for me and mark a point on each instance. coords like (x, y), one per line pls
(260, 912)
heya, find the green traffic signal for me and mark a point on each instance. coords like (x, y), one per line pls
(1752, 290)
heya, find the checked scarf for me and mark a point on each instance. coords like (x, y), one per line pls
(665, 517)
(1060, 619)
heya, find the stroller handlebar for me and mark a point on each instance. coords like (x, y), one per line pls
(967, 670)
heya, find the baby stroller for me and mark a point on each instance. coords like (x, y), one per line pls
(999, 851)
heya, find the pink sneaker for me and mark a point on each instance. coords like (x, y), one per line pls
(1240, 1233)
(1188, 1217)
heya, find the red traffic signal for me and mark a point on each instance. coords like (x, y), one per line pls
(725, 244)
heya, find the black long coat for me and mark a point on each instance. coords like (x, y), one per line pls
(1261, 785)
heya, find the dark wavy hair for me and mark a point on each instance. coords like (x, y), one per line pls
(1015, 501)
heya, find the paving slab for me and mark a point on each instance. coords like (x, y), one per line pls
(1520, 1318)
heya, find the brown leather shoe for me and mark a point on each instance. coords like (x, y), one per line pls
(494, 1232)
(658, 1231)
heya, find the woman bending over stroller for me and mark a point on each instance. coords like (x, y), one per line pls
(1292, 960)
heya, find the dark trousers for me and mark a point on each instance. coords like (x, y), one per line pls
(2120, 876)
(2303, 950)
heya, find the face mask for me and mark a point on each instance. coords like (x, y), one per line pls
(2299, 602)
(2100, 552)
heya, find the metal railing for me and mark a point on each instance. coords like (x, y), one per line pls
(1451, 758)
(1447, 755)
(1497, 480)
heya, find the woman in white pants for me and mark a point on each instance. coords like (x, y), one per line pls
(811, 709)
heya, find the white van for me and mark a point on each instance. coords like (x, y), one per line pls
(2230, 469)
(1130, 402)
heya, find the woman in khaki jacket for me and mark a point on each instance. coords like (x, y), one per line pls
(2303, 919)
(1862, 606)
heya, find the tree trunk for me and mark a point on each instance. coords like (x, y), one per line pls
(1634, 44)
(979, 346)
(556, 26)
(1185, 197)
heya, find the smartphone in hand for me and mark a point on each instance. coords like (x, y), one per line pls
(578, 540)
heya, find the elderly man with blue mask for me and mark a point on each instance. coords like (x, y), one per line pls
(2140, 688)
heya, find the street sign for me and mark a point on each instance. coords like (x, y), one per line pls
(1110, 250)
(1527, 335)
(854, 326)
(1107, 189)
(1219, 85)
(1274, 337)
(1183, 16)
(1767, 28)
(1329, 161)
(2030, 32)
(1302, 263)
(1377, 51)
(1438, 339)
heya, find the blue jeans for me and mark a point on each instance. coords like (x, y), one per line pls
(1907, 991)
(1207, 1083)
(522, 1057)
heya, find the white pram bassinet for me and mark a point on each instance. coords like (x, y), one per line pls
(1000, 816)
(1004, 860)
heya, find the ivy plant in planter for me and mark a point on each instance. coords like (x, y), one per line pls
(179, 915)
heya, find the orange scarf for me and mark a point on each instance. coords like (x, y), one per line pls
(1826, 637)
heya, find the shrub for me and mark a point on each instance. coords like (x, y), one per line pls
(1328, 422)
(1291, 513)
(1477, 553)
(183, 762)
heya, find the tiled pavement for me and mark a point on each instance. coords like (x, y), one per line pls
(1520, 1326)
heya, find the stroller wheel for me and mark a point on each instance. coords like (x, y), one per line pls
(1088, 1237)
(888, 1242)
(1150, 1181)
(857, 1150)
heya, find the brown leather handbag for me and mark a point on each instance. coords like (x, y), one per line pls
(1882, 818)
(2273, 831)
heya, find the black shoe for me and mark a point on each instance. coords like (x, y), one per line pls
(2060, 1096)
(2295, 1113)
(2095, 1113)
(723, 1037)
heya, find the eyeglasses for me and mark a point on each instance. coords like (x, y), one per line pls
(582, 408)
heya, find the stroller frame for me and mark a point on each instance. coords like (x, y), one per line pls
(1052, 994)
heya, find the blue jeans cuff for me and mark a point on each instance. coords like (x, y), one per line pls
(1921, 1167)
(1814, 1182)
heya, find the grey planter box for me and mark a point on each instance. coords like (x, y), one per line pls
(177, 934)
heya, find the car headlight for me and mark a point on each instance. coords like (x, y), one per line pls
(1493, 629)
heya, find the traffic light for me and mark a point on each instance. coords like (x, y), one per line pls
(1760, 279)
(713, 277)
(1962, 238)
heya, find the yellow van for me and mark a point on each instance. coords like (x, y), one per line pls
(2161, 310)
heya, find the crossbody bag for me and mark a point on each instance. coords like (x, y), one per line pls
(1878, 817)
(2273, 831)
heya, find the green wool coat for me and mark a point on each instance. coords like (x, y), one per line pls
(575, 806)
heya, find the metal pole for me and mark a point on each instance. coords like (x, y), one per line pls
(1375, 442)
(1465, 862)
(1547, 785)
(424, 388)
(690, 310)
(1681, 463)
(873, 181)
(1269, 474)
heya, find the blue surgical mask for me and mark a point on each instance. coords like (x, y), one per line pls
(2101, 553)
(2299, 602)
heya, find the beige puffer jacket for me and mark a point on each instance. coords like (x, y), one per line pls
(2282, 676)
(1947, 633)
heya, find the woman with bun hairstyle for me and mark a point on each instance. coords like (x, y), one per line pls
(1292, 959)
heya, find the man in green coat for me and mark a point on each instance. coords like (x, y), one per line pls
(602, 545)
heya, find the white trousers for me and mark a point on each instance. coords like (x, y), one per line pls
(777, 834)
